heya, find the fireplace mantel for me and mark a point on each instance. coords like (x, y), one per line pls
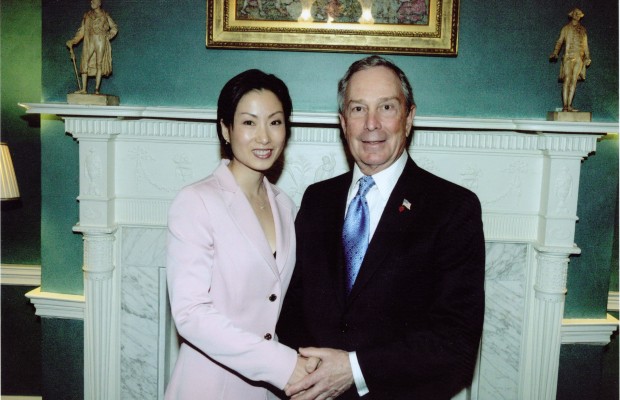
(424, 122)
(134, 159)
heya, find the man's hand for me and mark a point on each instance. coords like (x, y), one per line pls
(332, 377)
(303, 367)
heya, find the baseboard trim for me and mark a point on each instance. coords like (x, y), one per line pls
(18, 274)
(57, 305)
(21, 397)
(588, 331)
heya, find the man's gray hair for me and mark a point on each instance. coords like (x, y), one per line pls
(370, 62)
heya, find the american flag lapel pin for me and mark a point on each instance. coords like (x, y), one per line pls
(406, 205)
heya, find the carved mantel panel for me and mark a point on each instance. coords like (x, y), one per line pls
(133, 160)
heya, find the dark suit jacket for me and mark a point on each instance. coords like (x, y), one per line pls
(415, 313)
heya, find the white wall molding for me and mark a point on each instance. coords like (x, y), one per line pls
(57, 305)
(590, 331)
(18, 274)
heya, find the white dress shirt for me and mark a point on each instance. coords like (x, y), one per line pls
(377, 198)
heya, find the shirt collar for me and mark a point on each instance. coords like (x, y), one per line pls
(384, 180)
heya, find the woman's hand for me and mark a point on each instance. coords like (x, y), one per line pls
(303, 367)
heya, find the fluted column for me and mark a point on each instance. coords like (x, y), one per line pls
(550, 256)
(543, 339)
(99, 323)
(98, 226)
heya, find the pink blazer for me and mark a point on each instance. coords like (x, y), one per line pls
(226, 290)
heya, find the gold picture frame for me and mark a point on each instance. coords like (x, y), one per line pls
(416, 27)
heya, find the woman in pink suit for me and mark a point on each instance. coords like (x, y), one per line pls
(231, 253)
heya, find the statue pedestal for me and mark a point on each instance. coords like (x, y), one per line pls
(569, 116)
(93, 99)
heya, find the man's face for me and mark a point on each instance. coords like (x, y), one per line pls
(375, 120)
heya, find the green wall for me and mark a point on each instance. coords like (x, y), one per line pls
(61, 249)
(588, 372)
(502, 69)
(20, 80)
(21, 343)
(62, 359)
(596, 234)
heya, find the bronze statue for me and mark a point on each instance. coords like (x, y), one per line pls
(576, 57)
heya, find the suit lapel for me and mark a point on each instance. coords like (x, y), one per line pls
(334, 206)
(244, 218)
(395, 221)
(284, 226)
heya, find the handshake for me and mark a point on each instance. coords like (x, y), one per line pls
(320, 374)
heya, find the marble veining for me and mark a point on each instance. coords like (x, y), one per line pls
(142, 256)
(503, 321)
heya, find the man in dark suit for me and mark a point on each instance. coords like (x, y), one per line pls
(406, 324)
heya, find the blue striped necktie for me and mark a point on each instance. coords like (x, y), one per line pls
(356, 231)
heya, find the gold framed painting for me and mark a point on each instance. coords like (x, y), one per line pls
(428, 27)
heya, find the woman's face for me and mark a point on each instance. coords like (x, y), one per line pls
(258, 133)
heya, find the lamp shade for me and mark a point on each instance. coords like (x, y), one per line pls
(9, 189)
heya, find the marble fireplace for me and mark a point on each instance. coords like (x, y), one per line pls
(133, 160)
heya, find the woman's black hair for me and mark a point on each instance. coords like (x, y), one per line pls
(239, 86)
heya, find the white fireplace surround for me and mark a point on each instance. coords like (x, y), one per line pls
(133, 160)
